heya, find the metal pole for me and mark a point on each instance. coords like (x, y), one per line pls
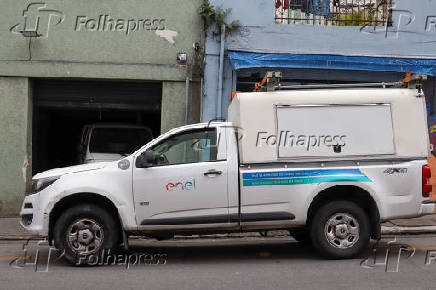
(187, 101)
(220, 77)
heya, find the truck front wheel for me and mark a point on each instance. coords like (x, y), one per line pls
(340, 230)
(83, 231)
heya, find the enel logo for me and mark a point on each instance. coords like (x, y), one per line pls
(185, 185)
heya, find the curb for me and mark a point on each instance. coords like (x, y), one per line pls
(408, 230)
(396, 230)
(19, 238)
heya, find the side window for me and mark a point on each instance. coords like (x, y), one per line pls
(188, 147)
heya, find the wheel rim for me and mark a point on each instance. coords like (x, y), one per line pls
(342, 230)
(85, 236)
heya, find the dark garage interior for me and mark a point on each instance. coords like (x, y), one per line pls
(62, 108)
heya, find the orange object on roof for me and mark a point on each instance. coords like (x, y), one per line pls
(407, 78)
(234, 93)
(257, 86)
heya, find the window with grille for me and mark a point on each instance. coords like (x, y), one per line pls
(334, 12)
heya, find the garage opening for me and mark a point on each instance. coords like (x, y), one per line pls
(62, 108)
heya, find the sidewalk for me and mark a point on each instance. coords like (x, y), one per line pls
(10, 229)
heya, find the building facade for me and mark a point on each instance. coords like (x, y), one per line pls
(319, 41)
(65, 64)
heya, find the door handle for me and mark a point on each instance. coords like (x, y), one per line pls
(213, 172)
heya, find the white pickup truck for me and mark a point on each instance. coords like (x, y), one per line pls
(326, 164)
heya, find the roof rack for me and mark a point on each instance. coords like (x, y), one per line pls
(271, 82)
(340, 86)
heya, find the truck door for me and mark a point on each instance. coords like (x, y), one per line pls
(187, 184)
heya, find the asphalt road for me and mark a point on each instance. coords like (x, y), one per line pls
(245, 263)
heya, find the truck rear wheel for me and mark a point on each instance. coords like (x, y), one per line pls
(82, 232)
(340, 230)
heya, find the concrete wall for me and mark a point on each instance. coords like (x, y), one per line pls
(78, 39)
(15, 144)
(173, 94)
(111, 39)
(412, 35)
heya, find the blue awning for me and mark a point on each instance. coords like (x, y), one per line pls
(243, 59)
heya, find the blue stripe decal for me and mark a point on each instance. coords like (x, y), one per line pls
(301, 173)
(303, 177)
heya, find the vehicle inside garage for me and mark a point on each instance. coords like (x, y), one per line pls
(61, 109)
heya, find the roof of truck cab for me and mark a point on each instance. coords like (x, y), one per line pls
(200, 125)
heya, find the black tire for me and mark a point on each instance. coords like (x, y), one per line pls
(301, 236)
(333, 230)
(98, 223)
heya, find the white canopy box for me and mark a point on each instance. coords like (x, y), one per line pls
(326, 124)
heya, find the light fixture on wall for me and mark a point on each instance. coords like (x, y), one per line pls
(182, 57)
(30, 34)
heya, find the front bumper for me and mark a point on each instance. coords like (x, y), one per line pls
(33, 218)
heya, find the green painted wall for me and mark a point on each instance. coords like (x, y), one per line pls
(173, 99)
(174, 102)
(111, 39)
(15, 146)
(130, 39)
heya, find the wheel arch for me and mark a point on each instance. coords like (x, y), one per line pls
(81, 198)
(352, 193)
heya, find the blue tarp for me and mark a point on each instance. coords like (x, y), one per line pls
(320, 7)
(242, 59)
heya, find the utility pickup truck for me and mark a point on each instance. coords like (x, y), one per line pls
(329, 165)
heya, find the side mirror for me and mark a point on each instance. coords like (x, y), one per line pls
(145, 160)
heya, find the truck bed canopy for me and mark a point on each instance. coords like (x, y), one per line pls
(330, 124)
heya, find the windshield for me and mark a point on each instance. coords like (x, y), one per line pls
(118, 140)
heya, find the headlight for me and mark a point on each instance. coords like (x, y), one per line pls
(40, 184)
